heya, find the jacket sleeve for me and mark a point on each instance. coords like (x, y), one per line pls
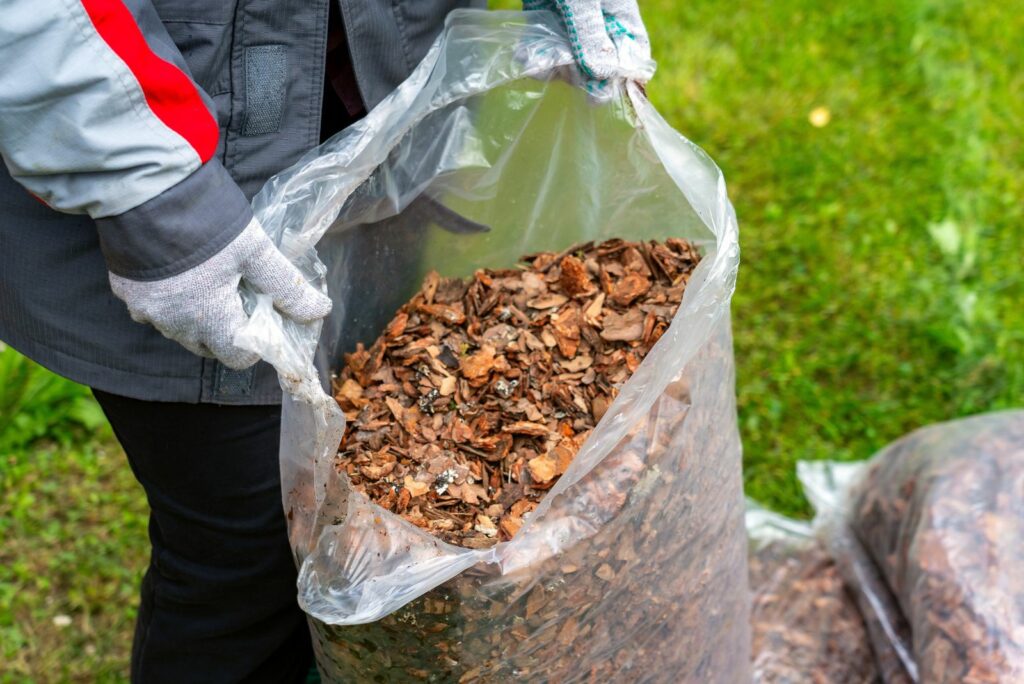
(99, 116)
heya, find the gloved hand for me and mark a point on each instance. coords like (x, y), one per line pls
(201, 308)
(608, 38)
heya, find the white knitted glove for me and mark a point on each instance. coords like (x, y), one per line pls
(201, 308)
(608, 38)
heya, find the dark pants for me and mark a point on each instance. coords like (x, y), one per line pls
(218, 600)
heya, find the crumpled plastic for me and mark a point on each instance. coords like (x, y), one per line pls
(491, 129)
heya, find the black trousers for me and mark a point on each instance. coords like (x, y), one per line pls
(218, 600)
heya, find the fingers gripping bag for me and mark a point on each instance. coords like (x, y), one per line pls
(632, 567)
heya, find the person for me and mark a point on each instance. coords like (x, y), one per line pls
(134, 133)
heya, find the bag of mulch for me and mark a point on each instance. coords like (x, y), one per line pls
(805, 626)
(633, 566)
(930, 535)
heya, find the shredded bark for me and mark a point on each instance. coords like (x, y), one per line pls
(805, 626)
(650, 591)
(480, 392)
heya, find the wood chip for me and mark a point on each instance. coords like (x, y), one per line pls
(543, 468)
(574, 278)
(479, 364)
(523, 427)
(623, 327)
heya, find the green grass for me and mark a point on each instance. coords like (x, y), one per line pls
(73, 522)
(880, 283)
(36, 405)
(74, 526)
(879, 290)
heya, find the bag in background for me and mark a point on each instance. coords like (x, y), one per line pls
(930, 533)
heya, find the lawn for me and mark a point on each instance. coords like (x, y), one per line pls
(874, 154)
(881, 280)
(73, 524)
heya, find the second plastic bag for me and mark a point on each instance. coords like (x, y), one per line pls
(633, 567)
(929, 535)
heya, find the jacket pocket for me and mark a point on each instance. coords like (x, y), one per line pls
(202, 30)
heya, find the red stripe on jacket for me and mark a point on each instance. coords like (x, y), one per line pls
(170, 94)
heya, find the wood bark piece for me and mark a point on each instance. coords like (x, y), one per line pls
(480, 392)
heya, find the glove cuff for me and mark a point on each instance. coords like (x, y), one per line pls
(178, 229)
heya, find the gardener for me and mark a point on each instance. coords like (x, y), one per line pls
(134, 133)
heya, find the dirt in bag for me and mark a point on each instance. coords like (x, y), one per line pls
(480, 392)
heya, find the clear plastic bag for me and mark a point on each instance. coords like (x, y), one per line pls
(633, 567)
(930, 534)
(805, 625)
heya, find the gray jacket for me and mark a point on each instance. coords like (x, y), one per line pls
(134, 133)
